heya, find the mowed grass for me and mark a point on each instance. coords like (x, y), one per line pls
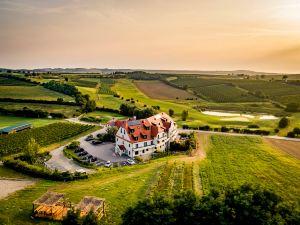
(31, 92)
(36, 122)
(232, 161)
(158, 90)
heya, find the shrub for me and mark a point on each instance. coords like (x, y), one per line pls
(291, 134)
(184, 115)
(284, 122)
(253, 126)
(171, 112)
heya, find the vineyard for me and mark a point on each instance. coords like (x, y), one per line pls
(106, 85)
(236, 90)
(233, 161)
(44, 136)
(174, 177)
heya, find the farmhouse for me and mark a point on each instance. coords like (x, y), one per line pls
(145, 136)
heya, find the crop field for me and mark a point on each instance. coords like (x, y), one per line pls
(106, 85)
(84, 82)
(44, 136)
(36, 122)
(31, 92)
(158, 90)
(69, 111)
(220, 89)
(290, 147)
(232, 161)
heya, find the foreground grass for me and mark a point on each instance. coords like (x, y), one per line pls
(232, 161)
(120, 187)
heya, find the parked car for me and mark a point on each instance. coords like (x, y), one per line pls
(83, 153)
(130, 161)
(94, 159)
(96, 142)
(89, 138)
(82, 171)
(79, 150)
(108, 164)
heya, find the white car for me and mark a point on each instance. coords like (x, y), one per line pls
(130, 161)
(107, 164)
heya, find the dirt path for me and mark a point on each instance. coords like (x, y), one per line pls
(202, 143)
(10, 185)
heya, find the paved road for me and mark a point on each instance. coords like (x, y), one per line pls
(237, 134)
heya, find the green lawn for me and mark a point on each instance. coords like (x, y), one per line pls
(232, 161)
(11, 120)
(31, 92)
(67, 110)
(106, 116)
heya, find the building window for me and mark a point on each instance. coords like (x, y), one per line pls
(152, 143)
(145, 144)
(136, 145)
(129, 153)
(136, 152)
(117, 139)
(143, 151)
(129, 145)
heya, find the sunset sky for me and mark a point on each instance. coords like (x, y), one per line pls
(261, 35)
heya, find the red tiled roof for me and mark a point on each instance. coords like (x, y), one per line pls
(138, 130)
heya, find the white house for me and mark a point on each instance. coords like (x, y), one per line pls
(144, 136)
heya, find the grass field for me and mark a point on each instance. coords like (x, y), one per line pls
(106, 116)
(31, 92)
(11, 120)
(69, 111)
(232, 161)
(158, 90)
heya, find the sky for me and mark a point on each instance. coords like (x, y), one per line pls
(260, 35)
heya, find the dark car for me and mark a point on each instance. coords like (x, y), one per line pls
(89, 138)
(96, 142)
(79, 150)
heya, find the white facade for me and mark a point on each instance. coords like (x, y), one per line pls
(126, 145)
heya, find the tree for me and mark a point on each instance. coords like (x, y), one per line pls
(184, 115)
(284, 122)
(60, 100)
(31, 151)
(171, 112)
(291, 134)
(90, 219)
(245, 205)
(284, 77)
(296, 130)
(72, 218)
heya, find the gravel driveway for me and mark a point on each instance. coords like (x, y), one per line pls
(9, 186)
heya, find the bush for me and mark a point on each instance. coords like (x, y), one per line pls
(40, 171)
(284, 122)
(291, 134)
(253, 126)
(171, 112)
(292, 107)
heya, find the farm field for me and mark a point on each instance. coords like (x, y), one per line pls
(158, 90)
(290, 147)
(236, 90)
(69, 111)
(31, 92)
(232, 161)
(44, 136)
(36, 122)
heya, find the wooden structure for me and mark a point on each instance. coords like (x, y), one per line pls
(51, 205)
(91, 203)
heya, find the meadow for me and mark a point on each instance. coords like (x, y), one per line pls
(31, 92)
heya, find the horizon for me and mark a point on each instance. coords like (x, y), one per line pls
(156, 35)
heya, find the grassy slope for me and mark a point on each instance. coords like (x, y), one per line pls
(230, 160)
(31, 92)
(236, 160)
(11, 120)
